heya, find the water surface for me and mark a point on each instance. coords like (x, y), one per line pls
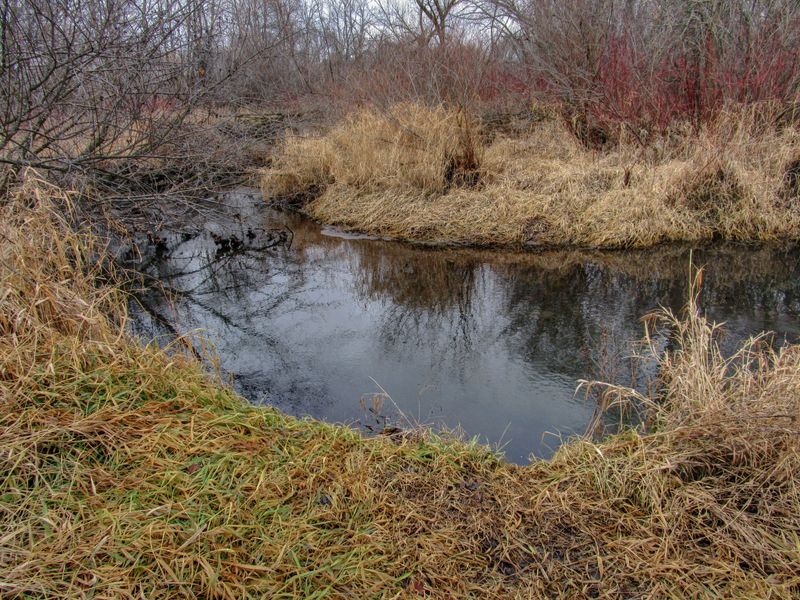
(320, 323)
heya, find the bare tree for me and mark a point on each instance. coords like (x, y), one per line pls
(438, 13)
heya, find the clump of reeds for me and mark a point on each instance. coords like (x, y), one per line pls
(420, 174)
(126, 471)
(716, 477)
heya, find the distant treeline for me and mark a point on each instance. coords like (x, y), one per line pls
(97, 79)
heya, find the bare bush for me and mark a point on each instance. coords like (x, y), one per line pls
(86, 82)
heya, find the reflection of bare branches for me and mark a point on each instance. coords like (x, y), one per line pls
(429, 280)
(187, 266)
(227, 278)
(205, 262)
(428, 292)
(554, 310)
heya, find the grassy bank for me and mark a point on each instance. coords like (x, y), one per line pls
(436, 175)
(125, 471)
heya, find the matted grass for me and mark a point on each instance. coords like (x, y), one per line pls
(128, 472)
(401, 173)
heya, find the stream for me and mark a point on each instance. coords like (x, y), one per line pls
(379, 334)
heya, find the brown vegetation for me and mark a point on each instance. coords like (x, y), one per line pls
(387, 174)
(87, 82)
(127, 472)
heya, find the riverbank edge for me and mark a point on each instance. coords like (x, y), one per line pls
(434, 175)
(128, 471)
(520, 248)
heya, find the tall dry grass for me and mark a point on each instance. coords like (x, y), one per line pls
(126, 472)
(384, 173)
(408, 148)
(712, 491)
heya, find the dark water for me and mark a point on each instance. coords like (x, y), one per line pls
(322, 324)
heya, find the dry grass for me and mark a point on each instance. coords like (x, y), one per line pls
(127, 472)
(421, 151)
(385, 174)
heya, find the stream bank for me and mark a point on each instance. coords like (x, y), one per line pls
(379, 334)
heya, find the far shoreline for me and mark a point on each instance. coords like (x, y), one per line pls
(451, 183)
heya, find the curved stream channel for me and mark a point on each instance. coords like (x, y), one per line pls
(356, 330)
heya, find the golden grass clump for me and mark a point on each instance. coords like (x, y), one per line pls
(387, 174)
(127, 472)
(424, 151)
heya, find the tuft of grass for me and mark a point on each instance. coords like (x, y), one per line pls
(425, 151)
(126, 471)
(386, 174)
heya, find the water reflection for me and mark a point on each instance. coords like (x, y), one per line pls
(491, 341)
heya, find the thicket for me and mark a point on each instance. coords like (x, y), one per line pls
(86, 86)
